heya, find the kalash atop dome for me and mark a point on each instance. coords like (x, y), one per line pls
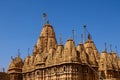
(52, 61)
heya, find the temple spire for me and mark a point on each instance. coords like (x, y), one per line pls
(47, 39)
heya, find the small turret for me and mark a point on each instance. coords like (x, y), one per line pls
(82, 53)
(115, 61)
(70, 52)
(109, 61)
(103, 61)
(26, 63)
(58, 57)
(15, 63)
(15, 68)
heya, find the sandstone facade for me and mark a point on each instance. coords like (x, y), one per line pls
(52, 61)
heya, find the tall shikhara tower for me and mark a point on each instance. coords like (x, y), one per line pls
(52, 61)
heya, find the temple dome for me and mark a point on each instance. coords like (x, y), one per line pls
(16, 63)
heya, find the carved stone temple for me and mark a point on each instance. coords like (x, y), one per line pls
(53, 61)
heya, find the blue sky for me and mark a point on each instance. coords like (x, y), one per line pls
(21, 22)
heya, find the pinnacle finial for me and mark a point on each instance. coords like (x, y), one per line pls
(73, 32)
(18, 52)
(116, 48)
(84, 33)
(110, 47)
(105, 46)
(89, 36)
(81, 38)
(28, 51)
(45, 17)
(60, 39)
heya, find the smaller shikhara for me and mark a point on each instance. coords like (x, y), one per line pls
(52, 61)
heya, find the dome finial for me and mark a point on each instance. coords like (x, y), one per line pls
(60, 39)
(84, 32)
(110, 47)
(28, 51)
(89, 36)
(81, 38)
(18, 52)
(73, 32)
(116, 48)
(105, 44)
(47, 21)
(45, 18)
